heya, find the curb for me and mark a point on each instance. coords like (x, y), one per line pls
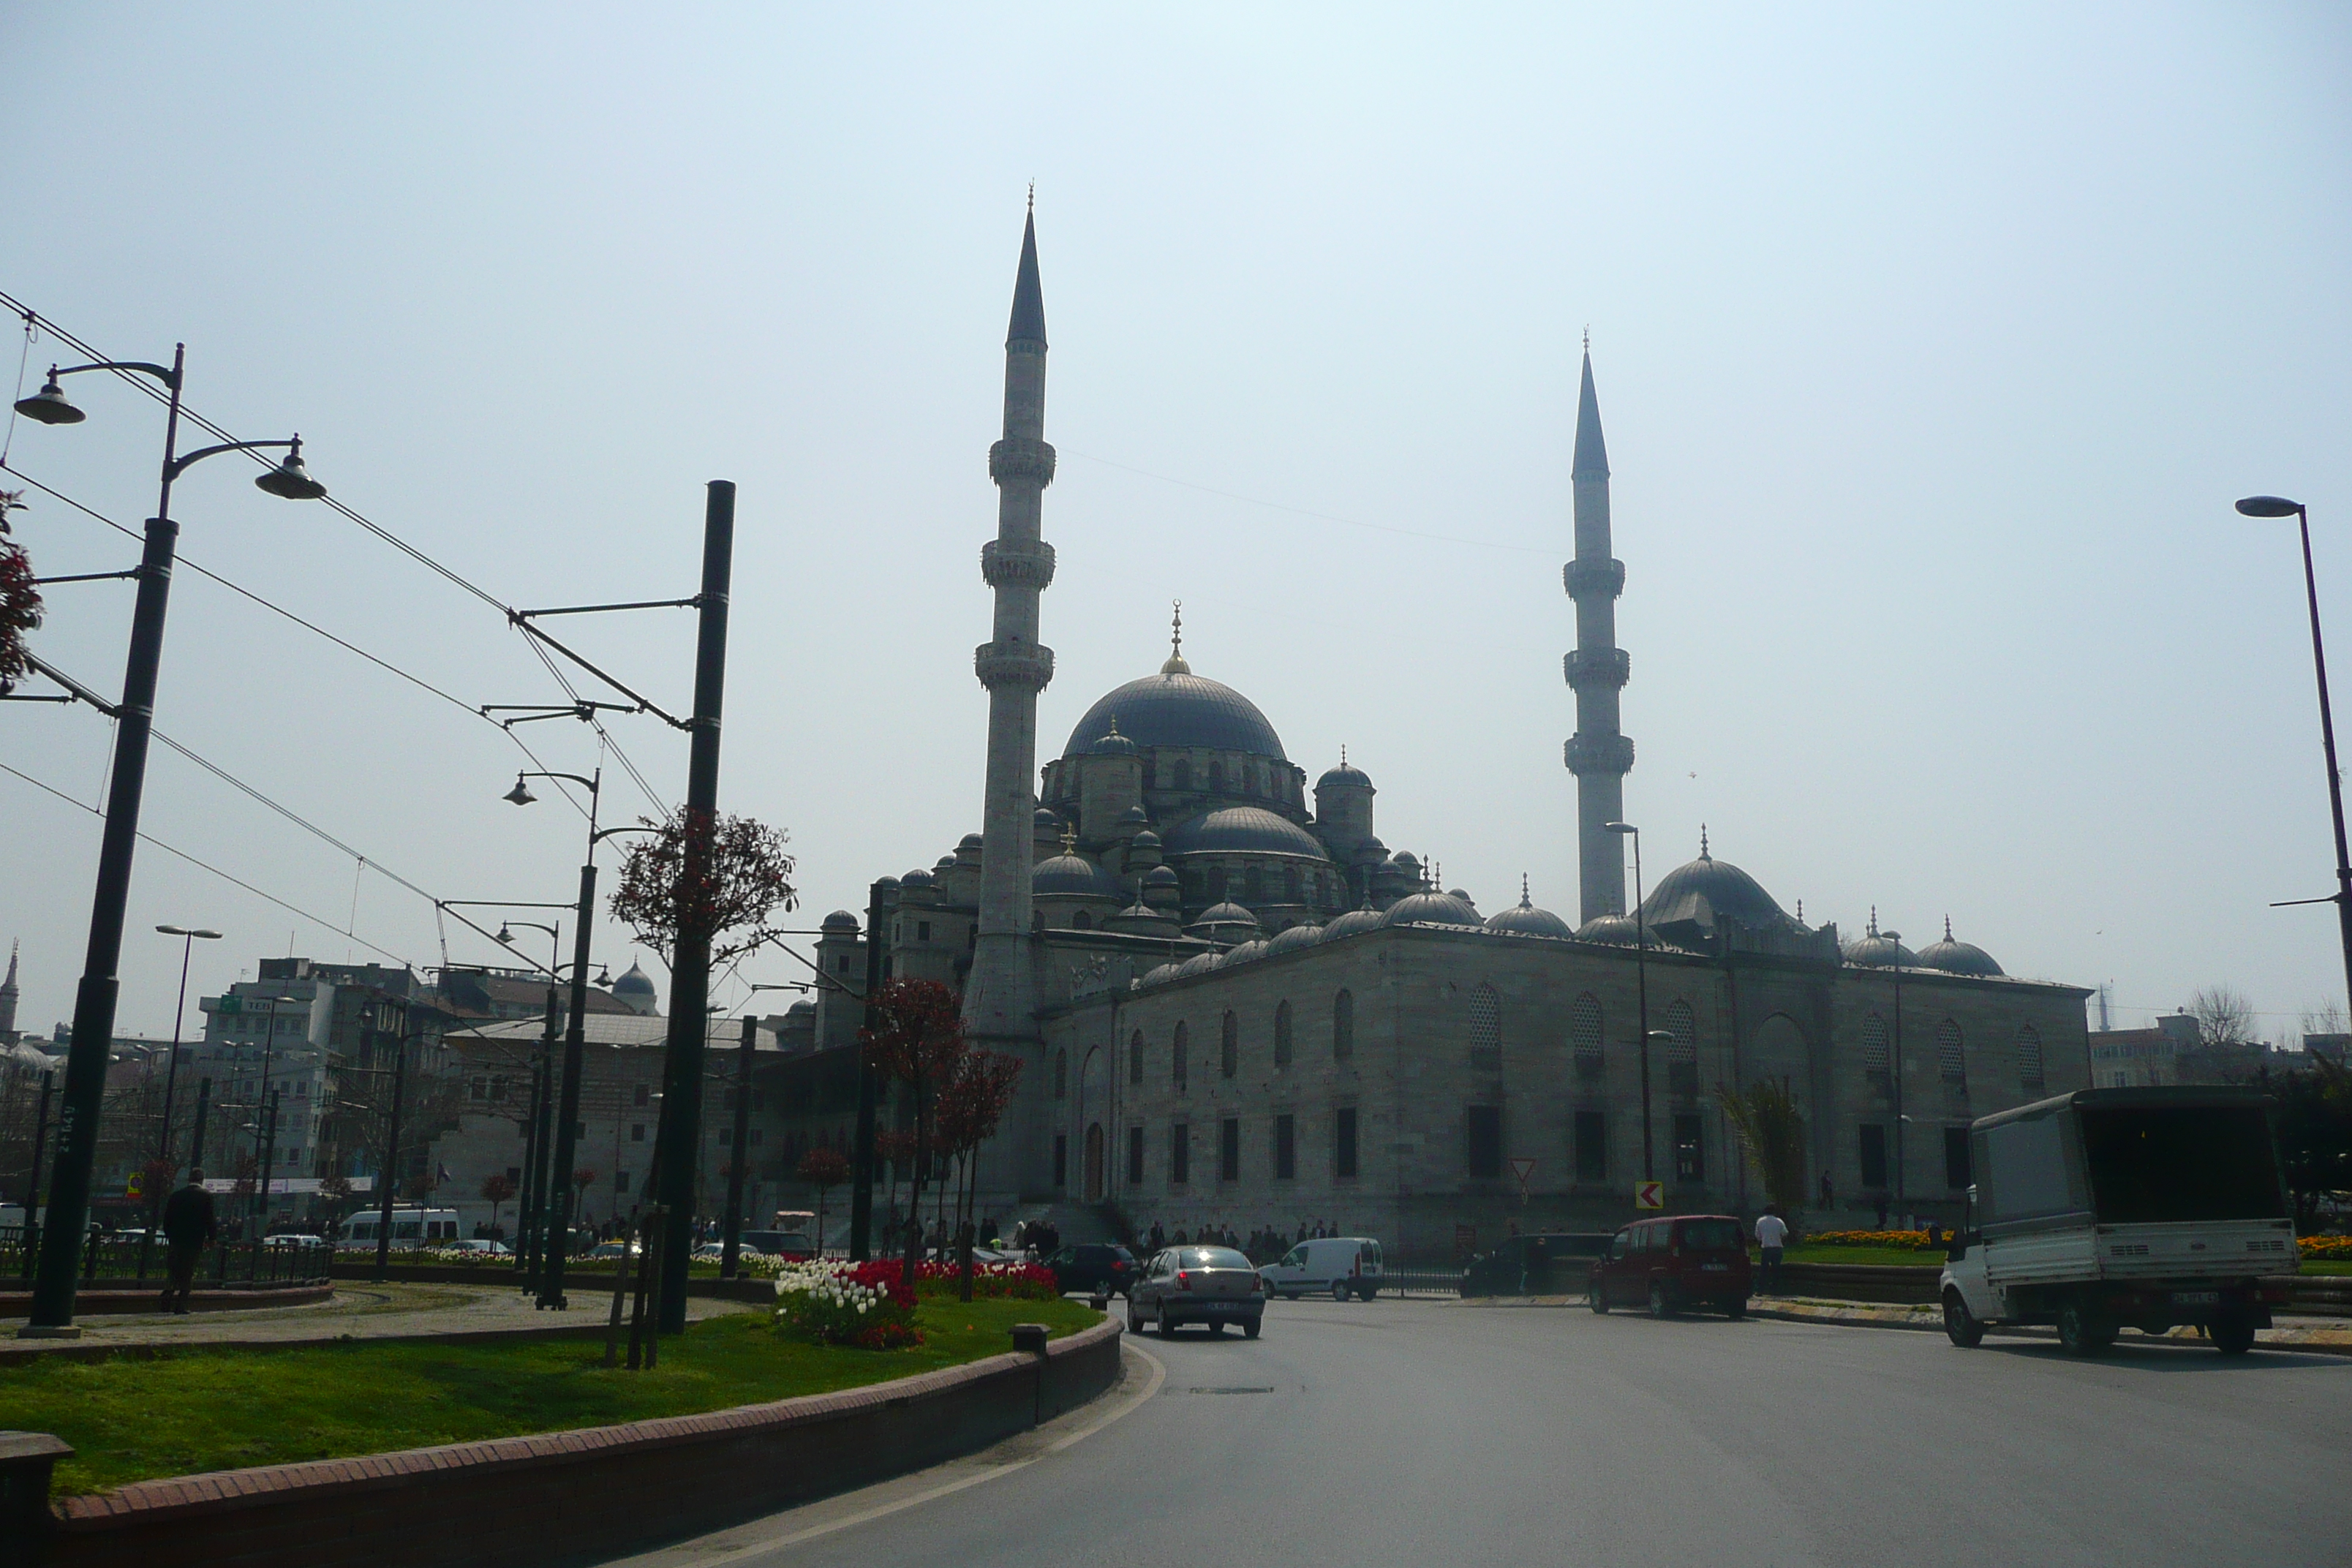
(1931, 1326)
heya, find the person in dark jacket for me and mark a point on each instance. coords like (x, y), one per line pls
(188, 1226)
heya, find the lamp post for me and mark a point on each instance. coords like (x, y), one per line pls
(388, 1179)
(1900, 1120)
(1641, 984)
(534, 1151)
(2279, 506)
(94, 1001)
(260, 1097)
(171, 1072)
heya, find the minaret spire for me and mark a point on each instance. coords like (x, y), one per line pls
(1599, 754)
(8, 1001)
(999, 999)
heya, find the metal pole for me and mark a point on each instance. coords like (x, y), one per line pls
(33, 1184)
(861, 1175)
(681, 1127)
(171, 1072)
(390, 1179)
(261, 1099)
(1900, 1119)
(525, 1218)
(561, 1191)
(533, 1220)
(2328, 740)
(196, 1132)
(732, 1234)
(269, 1161)
(94, 1000)
(1642, 984)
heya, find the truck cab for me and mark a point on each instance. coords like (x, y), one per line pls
(2108, 1209)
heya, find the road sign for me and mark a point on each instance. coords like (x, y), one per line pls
(1649, 1194)
(1523, 1168)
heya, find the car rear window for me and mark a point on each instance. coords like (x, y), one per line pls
(1210, 1258)
(1711, 1236)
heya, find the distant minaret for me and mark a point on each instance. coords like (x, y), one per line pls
(999, 999)
(8, 1001)
(1598, 754)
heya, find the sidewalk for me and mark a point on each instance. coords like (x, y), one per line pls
(396, 1309)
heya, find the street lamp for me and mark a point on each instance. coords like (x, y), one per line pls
(535, 1128)
(390, 1173)
(171, 1073)
(2279, 506)
(267, 1151)
(94, 1002)
(1642, 984)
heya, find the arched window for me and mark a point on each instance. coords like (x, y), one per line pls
(1343, 1024)
(1282, 1034)
(1229, 1049)
(1249, 779)
(1252, 885)
(1184, 771)
(1081, 921)
(1584, 1030)
(1177, 1056)
(2029, 1055)
(1486, 1030)
(1683, 1024)
(1951, 1060)
(1061, 1075)
(1874, 1057)
(1216, 777)
(1135, 1058)
(1290, 884)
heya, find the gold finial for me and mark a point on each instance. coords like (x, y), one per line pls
(1176, 665)
(1114, 725)
(1069, 838)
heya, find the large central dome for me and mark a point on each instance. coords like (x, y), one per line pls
(1179, 710)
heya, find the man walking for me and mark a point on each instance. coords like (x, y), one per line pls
(1771, 1233)
(188, 1226)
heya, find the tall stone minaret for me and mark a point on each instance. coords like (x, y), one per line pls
(999, 999)
(1598, 754)
(8, 1001)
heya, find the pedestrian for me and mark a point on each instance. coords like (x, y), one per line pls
(1302, 1231)
(1159, 1236)
(1829, 1193)
(1882, 1208)
(1771, 1232)
(1180, 1236)
(188, 1226)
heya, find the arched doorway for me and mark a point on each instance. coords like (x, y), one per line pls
(1094, 1163)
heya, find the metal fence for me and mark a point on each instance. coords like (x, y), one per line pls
(113, 1261)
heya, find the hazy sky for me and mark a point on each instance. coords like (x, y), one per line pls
(1932, 345)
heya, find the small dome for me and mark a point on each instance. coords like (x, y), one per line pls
(1147, 839)
(1200, 964)
(1430, 909)
(919, 878)
(1073, 876)
(1134, 814)
(1616, 931)
(1244, 829)
(970, 841)
(1957, 957)
(800, 1008)
(1705, 891)
(1345, 775)
(840, 919)
(1227, 914)
(1405, 860)
(1879, 950)
(1292, 940)
(890, 882)
(1355, 923)
(635, 989)
(1115, 744)
(1527, 920)
(1161, 975)
(1247, 953)
(1160, 877)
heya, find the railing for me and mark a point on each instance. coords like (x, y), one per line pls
(113, 1260)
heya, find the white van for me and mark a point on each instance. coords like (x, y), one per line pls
(411, 1226)
(1343, 1265)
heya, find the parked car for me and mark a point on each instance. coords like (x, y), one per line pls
(280, 1239)
(1550, 1264)
(1674, 1264)
(483, 1245)
(794, 1245)
(1094, 1267)
(1212, 1285)
(1343, 1265)
(614, 1249)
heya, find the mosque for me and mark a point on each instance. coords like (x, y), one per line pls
(1235, 1006)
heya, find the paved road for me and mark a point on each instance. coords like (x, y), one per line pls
(1416, 1433)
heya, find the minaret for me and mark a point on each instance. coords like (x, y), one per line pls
(8, 1001)
(999, 999)
(1598, 754)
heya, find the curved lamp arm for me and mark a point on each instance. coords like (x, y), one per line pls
(163, 374)
(179, 465)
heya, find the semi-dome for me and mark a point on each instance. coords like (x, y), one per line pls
(1249, 952)
(1707, 891)
(1345, 773)
(1431, 909)
(1617, 930)
(1179, 710)
(1243, 829)
(1528, 920)
(799, 1007)
(1957, 957)
(1043, 817)
(1073, 876)
(1293, 939)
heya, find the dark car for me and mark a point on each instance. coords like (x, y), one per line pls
(1671, 1264)
(794, 1245)
(1094, 1267)
(1553, 1264)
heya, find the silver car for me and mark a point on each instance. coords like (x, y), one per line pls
(1212, 1285)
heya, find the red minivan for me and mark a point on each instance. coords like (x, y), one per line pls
(1671, 1264)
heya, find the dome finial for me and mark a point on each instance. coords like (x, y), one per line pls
(1948, 928)
(1069, 838)
(1874, 920)
(1343, 754)
(1702, 842)
(1176, 665)
(1525, 902)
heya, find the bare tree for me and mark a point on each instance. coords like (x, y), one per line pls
(2326, 1018)
(2224, 1016)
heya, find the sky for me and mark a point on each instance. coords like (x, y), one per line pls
(1933, 346)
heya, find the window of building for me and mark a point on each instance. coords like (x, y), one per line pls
(1249, 779)
(922, 930)
(1081, 921)
(1177, 1056)
(1690, 1148)
(758, 1137)
(637, 1132)
(1252, 885)
(1343, 1024)
(1286, 1148)
(1229, 1048)
(1183, 772)
(1485, 1123)
(1216, 777)
(1873, 1156)
(1874, 1057)
(1343, 1141)
(1179, 1153)
(1682, 1049)
(725, 1135)
(620, 1181)
(1290, 884)
(1281, 1035)
(479, 1089)
(1584, 1033)
(1591, 1146)
(1061, 1075)
(1135, 1156)
(643, 1094)
(1135, 1058)
(1228, 1149)
(1958, 1170)
(1486, 1030)
(1061, 1159)
(2029, 1055)
(1952, 1058)
(1036, 920)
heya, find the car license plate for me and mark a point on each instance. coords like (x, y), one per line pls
(1715, 1268)
(2196, 1297)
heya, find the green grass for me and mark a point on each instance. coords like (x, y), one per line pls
(195, 1411)
(2338, 1266)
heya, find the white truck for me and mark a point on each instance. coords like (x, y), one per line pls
(2113, 1208)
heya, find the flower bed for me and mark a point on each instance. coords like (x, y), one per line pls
(1898, 1240)
(829, 1302)
(2328, 1248)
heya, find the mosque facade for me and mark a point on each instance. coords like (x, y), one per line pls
(1234, 1005)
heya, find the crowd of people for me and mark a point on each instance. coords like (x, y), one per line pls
(1263, 1246)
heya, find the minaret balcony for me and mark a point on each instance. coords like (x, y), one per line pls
(1598, 666)
(1004, 565)
(1015, 666)
(1603, 578)
(1599, 754)
(1021, 457)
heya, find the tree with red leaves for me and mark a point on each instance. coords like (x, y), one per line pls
(920, 1044)
(970, 1104)
(20, 599)
(745, 878)
(824, 1168)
